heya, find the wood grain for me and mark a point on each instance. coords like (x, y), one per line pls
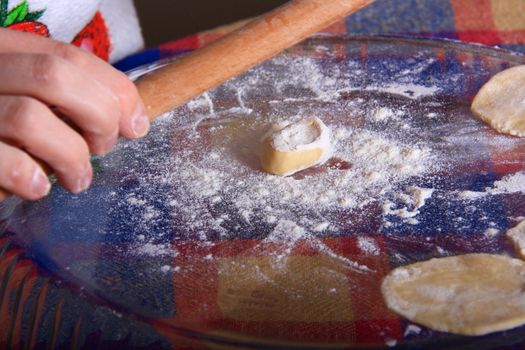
(259, 40)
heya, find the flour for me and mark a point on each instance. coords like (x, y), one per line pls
(286, 231)
(153, 250)
(389, 147)
(293, 136)
(321, 227)
(413, 201)
(382, 114)
(419, 196)
(491, 232)
(290, 234)
(406, 206)
(368, 246)
(215, 187)
(391, 342)
(471, 195)
(510, 184)
(412, 329)
(408, 90)
(377, 164)
(305, 73)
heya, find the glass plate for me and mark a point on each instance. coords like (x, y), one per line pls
(184, 231)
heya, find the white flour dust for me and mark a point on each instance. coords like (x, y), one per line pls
(198, 172)
(413, 200)
(512, 183)
(368, 246)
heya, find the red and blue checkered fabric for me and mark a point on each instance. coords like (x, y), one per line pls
(490, 22)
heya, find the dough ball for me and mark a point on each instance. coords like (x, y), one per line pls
(517, 237)
(470, 294)
(290, 147)
(501, 102)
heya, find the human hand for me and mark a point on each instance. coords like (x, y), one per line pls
(58, 103)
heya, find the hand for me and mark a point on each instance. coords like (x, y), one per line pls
(58, 103)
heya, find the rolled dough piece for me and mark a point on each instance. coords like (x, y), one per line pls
(501, 102)
(290, 147)
(517, 237)
(470, 294)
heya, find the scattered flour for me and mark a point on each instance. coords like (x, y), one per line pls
(321, 227)
(388, 141)
(471, 195)
(413, 201)
(233, 186)
(382, 114)
(169, 268)
(407, 90)
(440, 250)
(510, 184)
(368, 246)
(156, 250)
(286, 231)
(289, 233)
(165, 269)
(307, 74)
(412, 329)
(391, 342)
(491, 232)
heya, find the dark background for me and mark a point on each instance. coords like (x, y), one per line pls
(165, 20)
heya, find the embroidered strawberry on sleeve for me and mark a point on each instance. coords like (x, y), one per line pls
(95, 37)
(19, 18)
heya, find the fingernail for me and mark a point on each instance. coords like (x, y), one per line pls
(140, 121)
(85, 180)
(40, 184)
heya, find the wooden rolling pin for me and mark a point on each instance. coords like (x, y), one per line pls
(259, 40)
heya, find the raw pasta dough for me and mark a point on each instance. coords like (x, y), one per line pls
(501, 102)
(290, 147)
(517, 237)
(470, 294)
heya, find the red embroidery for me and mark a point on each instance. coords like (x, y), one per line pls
(19, 18)
(95, 37)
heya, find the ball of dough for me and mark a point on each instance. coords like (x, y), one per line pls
(501, 102)
(470, 294)
(517, 237)
(290, 147)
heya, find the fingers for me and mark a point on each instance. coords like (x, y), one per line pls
(21, 175)
(133, 119)
(42, 78)
(91, 106)
(33, 130)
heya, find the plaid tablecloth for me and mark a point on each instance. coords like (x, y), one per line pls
(491, 22)
(38, 310)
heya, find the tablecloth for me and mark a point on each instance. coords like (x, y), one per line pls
(39, 310)
(490, 22)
